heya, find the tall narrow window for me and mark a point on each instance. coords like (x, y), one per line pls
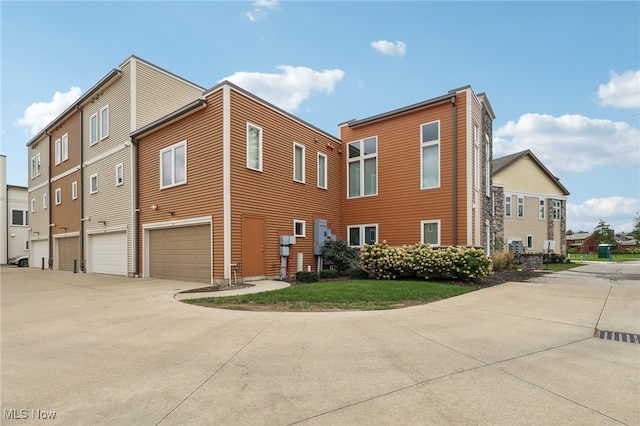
(65, 147)
(38, 164)
(254, 147)
(363, 167)
(93, 129)
(45, 201)
(104, 122)
(119, 174)
(541, 209)
(58, 152)
(529, 242)
(520, 207)
(93, 183)
(58, 196)
(430, 155)
(33, 205)
(33, 167)
(507, 205)
(557, 212)
(173, 165)
(322, 171)
(298, 162)
(74, 190)
(430, 232)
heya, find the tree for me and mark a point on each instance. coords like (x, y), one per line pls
(339, 253)
(603, 234)
(636, 228)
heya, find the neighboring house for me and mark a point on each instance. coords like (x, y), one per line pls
(14, 217)
(582, 242)
(625, 242)
(223, 179)
(529, 204)
(420, 173)
(38, 183)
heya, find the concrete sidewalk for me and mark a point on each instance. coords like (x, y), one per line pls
(256, 287)
(119, 351)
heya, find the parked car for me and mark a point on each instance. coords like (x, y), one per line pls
(19, 260)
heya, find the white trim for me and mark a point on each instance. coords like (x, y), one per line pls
(106, 154)
(58, 151)
(173, 149)
(58, 196)
(33, 205)
(360, 160)
(428, 222)
(362, 234)
(133, 80)
(91, 191)
(304, 228)
(304, 154)
(326, 166)
(260, 147)
(65, 147)
(45, 201)
(428, 144)
(38, 186)
(64, 174)
(119, 167)
(101, 133)
(74, 190)
(226, 182)
(91, 141)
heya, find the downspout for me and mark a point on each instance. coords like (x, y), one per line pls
(136, 207)
(50, 242)
(454, 209)
(82, 265)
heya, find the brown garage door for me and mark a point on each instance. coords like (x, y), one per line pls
(181, 253)
(68, 251)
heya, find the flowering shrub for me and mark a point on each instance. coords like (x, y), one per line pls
(420, 260)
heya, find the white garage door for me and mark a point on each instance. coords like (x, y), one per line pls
(108, 253)
(39, 249)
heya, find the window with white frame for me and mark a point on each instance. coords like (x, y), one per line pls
(74, 190)
(254, 147)
(93, 129)
(430, 232)
(173, 165)
(119, 174)
(520, 207)
(362, 164)
(38, 164)
(299, 228)
(541, 208)
(19, 217)
(45, 201)
(104, 122)
(58, 152)
(530, 242)
(430, 155)
(93, 183)
(476, 160)
(507, 205)
(33, 167)
(298, 162)
(322, 171)
(360, 235)
(487, 165)
(557, 209)
(33, 205)
(65, 147)
(58, 194)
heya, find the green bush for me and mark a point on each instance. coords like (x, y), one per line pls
(339, 254)
(329, 273)
(553, 258)
(358, 274)
(307, 277)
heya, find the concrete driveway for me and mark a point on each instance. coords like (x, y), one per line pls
(91, 349)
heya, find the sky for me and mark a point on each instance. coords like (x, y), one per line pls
(563, 78)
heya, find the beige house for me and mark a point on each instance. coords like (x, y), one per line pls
(14, 217)
(529, 205)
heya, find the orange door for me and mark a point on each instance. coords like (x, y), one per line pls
(254, 256)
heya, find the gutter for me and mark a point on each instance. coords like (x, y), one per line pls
(135, 237)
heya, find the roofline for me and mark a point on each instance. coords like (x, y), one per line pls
(521, 154)
(169, 118)
(17, 186)
(197, 86)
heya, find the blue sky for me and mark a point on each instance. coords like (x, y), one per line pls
(563, 77)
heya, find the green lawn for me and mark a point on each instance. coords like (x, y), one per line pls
(345, 295)
(593, 257)
(561, 266)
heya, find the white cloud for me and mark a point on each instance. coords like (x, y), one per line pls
(259, 7)
(389, 48)
(622, 91)
(570, 143)
(39, 114)
(617, 211)
(291, 87)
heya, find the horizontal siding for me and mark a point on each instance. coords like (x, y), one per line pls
(41, 146)
(67, 214)
(70, 126)
(529, 225)
(38, 221)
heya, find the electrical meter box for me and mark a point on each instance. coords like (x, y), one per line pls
(287, 240)
(320, 234)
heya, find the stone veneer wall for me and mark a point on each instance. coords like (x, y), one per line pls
(487, 213)
(498, 216)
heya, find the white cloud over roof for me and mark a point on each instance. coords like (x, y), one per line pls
(622, 91)
(39, 114)
(389, 48)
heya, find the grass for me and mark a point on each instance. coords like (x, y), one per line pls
(561, 266)
(593, 257)
(343, 295)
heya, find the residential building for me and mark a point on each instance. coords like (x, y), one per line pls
(14, 217)
(582, 243)
(529, 204)
(38, 199)
(223, 179)
(420, 173)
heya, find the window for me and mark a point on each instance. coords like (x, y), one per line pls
(430, 232)
(541, 209)
(476, 149)
(299, 228)
(93, 129)
(254, 147)
(58, 196)
(26, 244)
(33, 205)
(322, 171)
(19, 217)
(362, 177)
(430, 155)
(38, 164)
(58, 152)
(520, 207)
(65, 147)
(507, 205)
(529, 242)
(173, 165)
(93, 183)
(104, 122)
(119, 174)
(362, 234)
(45, 201)
(557, 213)
(487, 165)
(33, 167)
(298, 162)
(74, 190)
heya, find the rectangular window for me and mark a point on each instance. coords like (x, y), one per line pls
(530, 242)
(430, 232)
(33, 167)
(93, 129)
(119, 174)
(520, 207)
(19, 217)
(541, 209)
(65, 147)
(430, 155)
(38, 164)
(173, 165)
(298, 162)
(299, 228)
(507, 205)
(26, 244)
(93, 183)
(362, 163)
(58, 196)
(45, 201)
(557, 212)
(58, 152)
(104, 122)
(33, 205)
(322, 171)
(74, 190)
(362, 234)
(254, 147)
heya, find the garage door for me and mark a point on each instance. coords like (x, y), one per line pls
(68, 250)
(108, 253)
(181, 253)
(39, 250)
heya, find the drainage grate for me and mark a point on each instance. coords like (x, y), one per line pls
(618, 336)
